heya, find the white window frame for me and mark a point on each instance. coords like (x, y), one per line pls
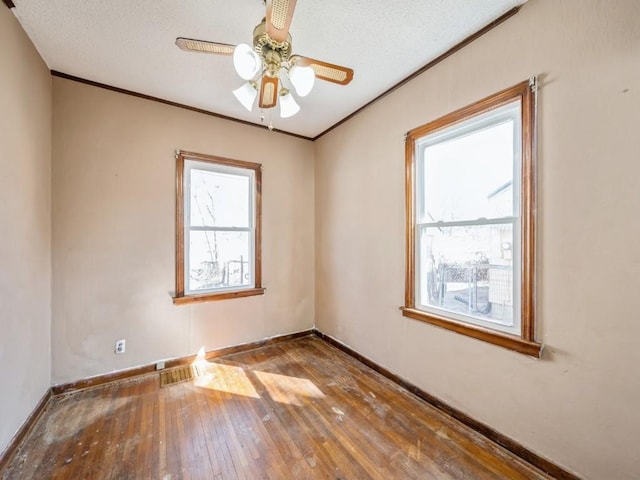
(198, 165)
(492, 118)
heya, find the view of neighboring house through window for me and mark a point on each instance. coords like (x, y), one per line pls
(218, 208)
(470, 195)
(466, 213)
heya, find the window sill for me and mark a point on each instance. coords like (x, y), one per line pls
(212, 297)
(511, 342)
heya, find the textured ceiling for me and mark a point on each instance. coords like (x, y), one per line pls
(129, 44)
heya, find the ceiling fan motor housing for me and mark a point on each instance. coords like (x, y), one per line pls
(272, 52)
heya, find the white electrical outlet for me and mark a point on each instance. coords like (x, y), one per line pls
(121, 346)
(159, 365)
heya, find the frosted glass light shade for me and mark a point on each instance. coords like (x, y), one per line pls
(302, 79)
(288, 106)
(246, 95)
(246, 61)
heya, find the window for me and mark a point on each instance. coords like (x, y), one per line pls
(217, 228)
(470, 220)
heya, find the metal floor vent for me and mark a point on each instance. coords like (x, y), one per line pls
(178, 375)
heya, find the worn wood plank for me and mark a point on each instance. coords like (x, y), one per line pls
(297, 409)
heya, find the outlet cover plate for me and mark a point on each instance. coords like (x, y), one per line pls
(121, 346)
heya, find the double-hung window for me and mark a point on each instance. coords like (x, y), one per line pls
(470, 220)
(217, 228)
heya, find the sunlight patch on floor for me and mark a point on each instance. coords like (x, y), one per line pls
(225, 378)
(290, 390)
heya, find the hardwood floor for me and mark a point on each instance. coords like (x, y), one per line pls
(295, 410)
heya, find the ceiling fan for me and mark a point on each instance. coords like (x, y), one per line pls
(269, 67)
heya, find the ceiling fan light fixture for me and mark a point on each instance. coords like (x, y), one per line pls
(268, 63)
(246, 94)
(302, 79)
(246, 62)
(288, 106)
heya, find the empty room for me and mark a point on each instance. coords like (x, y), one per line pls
(335, 240)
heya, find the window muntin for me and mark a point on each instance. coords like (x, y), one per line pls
(470, 216)
(217, 228)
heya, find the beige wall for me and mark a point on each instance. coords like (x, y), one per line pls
(114, 223)
(113, 231)
(578, 405)
(25, 217)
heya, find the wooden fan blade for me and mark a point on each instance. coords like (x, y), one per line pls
(268, 92)
(201, 46)
(325, 71)
(279, 15)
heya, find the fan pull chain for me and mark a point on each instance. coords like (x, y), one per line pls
(270, 126)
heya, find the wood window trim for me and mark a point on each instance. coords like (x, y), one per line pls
(180, 298)
(525, 343)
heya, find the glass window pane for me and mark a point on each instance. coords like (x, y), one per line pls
(219, 199)
(468, 271)
(470, 176)
(218, 260)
